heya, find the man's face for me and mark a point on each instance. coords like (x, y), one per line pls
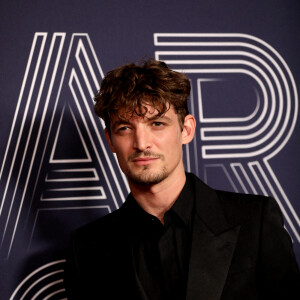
(149, 149)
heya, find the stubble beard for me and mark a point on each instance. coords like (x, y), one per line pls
(146, 177)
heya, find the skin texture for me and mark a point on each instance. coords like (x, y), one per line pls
(149, 151)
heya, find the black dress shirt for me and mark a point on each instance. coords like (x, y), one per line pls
(161, 252)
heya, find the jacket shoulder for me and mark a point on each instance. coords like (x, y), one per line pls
(105, 227)
(245, 206)
(237, 207)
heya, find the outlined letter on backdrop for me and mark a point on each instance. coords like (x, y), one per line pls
(252, 112)
(47, 167)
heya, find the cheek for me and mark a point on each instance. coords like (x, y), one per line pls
(173, 145)
(122, 152)
(175, 140)
(122, 160)
(120, 146)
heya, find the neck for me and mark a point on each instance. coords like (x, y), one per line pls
(157, 199)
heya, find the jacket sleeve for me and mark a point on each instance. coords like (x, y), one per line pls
(279, 272)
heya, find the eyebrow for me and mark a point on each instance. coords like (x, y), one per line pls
(127, 122)
(159, 117)
(119, 122)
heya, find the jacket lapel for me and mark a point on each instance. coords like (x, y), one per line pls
(213, 244)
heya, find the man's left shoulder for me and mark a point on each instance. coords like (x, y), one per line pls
(249, 207)
(242, 200)
(238, 205)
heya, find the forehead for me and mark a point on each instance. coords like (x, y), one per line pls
(146, 112)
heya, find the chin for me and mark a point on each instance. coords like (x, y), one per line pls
(147, 179)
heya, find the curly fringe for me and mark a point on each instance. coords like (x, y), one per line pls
(129, 88)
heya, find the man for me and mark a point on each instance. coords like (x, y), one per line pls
(174, 237)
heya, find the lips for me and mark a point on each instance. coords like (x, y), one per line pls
(144, 160)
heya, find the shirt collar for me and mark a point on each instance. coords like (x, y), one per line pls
(182, 207)
(184, 204)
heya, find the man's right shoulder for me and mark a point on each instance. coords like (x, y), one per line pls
(106, 226)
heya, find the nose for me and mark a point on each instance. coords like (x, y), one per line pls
(141, 139)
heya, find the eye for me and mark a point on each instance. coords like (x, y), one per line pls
(122, 129)
(157, 124)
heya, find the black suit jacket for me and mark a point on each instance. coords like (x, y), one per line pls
(240, 250)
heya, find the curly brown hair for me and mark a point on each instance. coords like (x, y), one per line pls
(132, 86)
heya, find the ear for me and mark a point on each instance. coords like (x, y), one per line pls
(189, 127)
(108, 138)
